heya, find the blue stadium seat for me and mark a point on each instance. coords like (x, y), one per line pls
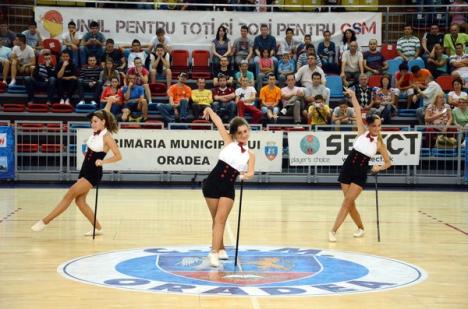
(17, 89)
(335, 84)
(407, 113)
(393, 65)
(72, 148)
(85, 108)
(418, 61)
(425, 152)
(153, 109)
(444, 152)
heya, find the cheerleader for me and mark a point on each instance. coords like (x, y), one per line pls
(103, 124)
(353, 174)
(218, 188)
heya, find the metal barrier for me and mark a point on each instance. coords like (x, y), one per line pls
(47, 151)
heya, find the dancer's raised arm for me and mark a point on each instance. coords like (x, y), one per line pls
(357, 111)
(208, 114)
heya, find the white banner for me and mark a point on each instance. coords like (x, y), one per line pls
(182, 150)
(199, 28)
(332, 148)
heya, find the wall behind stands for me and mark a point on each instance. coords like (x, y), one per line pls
(197, 29)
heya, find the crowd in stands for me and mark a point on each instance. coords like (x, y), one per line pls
(269, 78)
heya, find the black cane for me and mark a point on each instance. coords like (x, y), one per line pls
(95, 211)
(377, 204)
(238, 224)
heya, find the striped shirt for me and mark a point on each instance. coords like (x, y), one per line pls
(90, 74)
(408, 46)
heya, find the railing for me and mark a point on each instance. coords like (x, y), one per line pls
(56, 161)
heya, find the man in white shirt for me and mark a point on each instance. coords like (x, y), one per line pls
(304, 74)
(22, 58)
(136, 52)
(428, 95)
(160, 38)
(4, 60)
(245, 101)
(289, 44)
(459, 63)
(352, 65)
(292, 98)
(71, 41)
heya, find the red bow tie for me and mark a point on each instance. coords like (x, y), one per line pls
(370, 137)
(97, 132)
(241, 145)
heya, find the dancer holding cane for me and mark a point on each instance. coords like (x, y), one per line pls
(353, 175)
(218, 189)
(99, 143)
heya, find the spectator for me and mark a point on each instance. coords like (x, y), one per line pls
(242, 48)
(22, 58)
(134, 99)
(161, 67)
(201, 98)
(108, 73)
(302, 60)
(137, 52)
(363, 91)
(89, 79)
(43, 77)
(408, 46)
(403, 84)
(92, 43)
(160, 39)
(244, 71)
(223, 69)
(348, 36)
(262, 42)
(386, 106)
(7, 36)
(453, 38)
(71, 41)
(318, 112)
(270, 96)
(437, 61)
(289, 44)
(33, 38)
(428, 96)
(458, 11)
(5, 53)
(67, 78)
(438, 113)
(459, 63)
(179, 95)
(112, 97)
(301, 48)
(343, 115)
(266, 67)
(141, 77)
(317, 88)
(304, 74)
(286, 66)
(418, 81)
(245, 101)
(224, 96)
(292, 98)
(220, 47)
(116, 55)
(352, 65)
(374, 62)
(430, 39)
(457, 93)
(327, 54)
(460, 114)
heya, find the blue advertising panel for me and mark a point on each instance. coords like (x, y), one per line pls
(7, 153)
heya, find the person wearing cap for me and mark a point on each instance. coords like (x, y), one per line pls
(179, 95)
(224, 70)
(244, 71)
(245, 101)
(270, 96)
(201, 98)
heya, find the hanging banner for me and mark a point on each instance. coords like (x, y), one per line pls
(182, 150)
(7, 153)
(332, 148)
(199, 28)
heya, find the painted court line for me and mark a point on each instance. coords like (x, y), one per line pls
(4, 219)
(442, 222)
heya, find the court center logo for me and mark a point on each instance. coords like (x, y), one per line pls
(261, 271)
(309, 144)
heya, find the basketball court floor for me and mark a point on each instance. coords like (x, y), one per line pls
(152, 252)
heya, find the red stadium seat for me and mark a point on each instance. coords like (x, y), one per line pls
(55, 127)
(153, 124)
(38, 108)
(61, 108)
(3, 87)
(31, 127)
(201, 64)
(52, 44)
(179, 63)
(295, 129)
(28, 148)
(54, 148)
(13, 108)
(445, 82)
(374, 81)
(389, 51)
(202, 124)
(391, 129)
(41, 60)
(158, 89)
(130, 126)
